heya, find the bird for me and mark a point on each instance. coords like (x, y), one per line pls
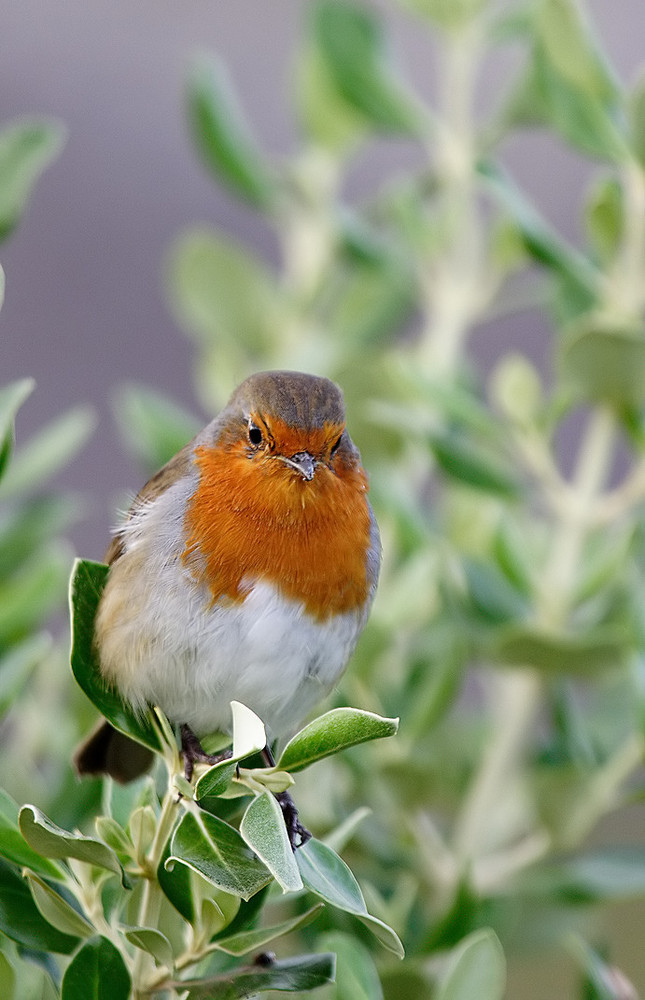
(244, 570)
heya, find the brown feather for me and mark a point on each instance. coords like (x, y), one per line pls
(107, 751)
(173, 470)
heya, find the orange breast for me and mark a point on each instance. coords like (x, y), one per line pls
(255, 520)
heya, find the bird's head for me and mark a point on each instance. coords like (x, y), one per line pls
(290, 426)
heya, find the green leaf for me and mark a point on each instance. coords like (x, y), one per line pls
(248, 914)
(571, 48)
(29, 596)
(217, 851)
(325, 116)
(56, 910)
(113, 834)
(513, 556)
(176, 885)
(383, 933)
(263, 828)
(589, 120)
(27, 526)
(340, 836)
(221, 292)
(351, 41)
(601, 875)
(332, 732)
(604, 218)
(495, 599)
(448, 14)
(21, 920)
(291, 975)
(142, 828)
(12, 397)
(27, 147)
(18, 665)
(216, 780)
(7, 978)
(153, 427)
(324, 873)
(87, 582)
(222, 135)
(96, 972)
(605, 363)
(477, 969)
(12, 842)
(372, 301)
(473, 465)
(516, 389)
(152, 941)
(560, 652)
(356, 974)
(327, 875)
(541, 241)
(637, 120)
(52, 842)
(257, 940)
(48, 452)
(602, 981)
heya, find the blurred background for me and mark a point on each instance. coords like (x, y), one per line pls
(85, 308)
(544, 753)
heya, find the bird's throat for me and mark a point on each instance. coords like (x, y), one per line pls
(248, 522)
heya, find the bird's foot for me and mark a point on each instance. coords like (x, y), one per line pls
(297, 833)
(193, 752)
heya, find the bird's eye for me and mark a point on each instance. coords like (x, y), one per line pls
(335, 447)
(255, 434)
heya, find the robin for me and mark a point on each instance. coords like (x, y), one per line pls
(244, 571)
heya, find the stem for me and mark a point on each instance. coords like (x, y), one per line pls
(152, 895)
(308, 235)
(624, 292)
(518, 696)
(452, 284)
(559, 579)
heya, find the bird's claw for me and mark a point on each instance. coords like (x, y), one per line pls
(193, 752)
(297, 833)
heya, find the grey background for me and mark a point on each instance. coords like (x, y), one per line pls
(84, 305)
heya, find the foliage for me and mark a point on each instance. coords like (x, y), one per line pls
(507, 631)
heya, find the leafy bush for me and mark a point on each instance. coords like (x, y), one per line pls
(507, 632)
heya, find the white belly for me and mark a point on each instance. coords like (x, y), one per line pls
(163, 642)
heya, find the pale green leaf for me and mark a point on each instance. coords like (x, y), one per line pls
(27, 147)
(7, 978)
(215, 850)
(351, 40)
(56, 910)
(263, 828)
(356, 975)
(47, 452)
(248, 731)
(327, 875)
(223, 136)
(152, 941)
(257, 940)
(332, 732)
(477, 969)
(52, 842)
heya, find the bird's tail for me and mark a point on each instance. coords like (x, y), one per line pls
(107, 751)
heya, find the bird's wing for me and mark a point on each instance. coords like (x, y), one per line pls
(173, 470)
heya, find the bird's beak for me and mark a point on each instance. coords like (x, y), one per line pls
(302, 462)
